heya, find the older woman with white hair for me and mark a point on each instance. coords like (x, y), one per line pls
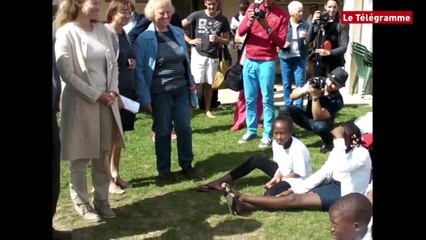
(294, 53)
(163, 86)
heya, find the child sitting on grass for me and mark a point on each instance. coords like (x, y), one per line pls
(292, 162)
(346, 170)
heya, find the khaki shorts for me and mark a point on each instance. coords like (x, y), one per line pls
(203, 68)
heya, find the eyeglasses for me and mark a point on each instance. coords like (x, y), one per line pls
(125, 12)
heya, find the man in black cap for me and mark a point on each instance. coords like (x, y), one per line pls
(324, 101)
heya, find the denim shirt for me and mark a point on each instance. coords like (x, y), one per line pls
(302, 45)
(146, 46)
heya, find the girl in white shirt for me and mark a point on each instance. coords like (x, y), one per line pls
(346, 170)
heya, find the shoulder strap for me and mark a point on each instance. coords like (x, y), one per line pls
(244, 45)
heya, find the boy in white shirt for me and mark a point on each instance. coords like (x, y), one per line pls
(292, 162)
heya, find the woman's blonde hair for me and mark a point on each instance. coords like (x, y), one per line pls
(152, 5)
(67, 12)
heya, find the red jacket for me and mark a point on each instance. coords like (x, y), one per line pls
(260, 45)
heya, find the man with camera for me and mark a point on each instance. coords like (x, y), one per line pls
(324, 102)
(265, 24)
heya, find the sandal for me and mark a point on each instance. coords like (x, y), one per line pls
(121, 183)
(232, 203)
(226, 189)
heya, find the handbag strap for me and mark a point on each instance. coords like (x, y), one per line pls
(222, 53)
(244, 45)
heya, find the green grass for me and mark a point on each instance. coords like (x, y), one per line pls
(152, 210)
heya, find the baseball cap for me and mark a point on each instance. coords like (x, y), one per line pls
(339, 76)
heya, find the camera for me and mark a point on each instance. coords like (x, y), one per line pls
(324, 17)
(258, 13)
(317, 82)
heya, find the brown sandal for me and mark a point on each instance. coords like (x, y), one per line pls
(121, 183)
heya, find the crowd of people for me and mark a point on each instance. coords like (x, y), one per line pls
(149, 59)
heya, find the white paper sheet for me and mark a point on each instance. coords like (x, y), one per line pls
(129, 104)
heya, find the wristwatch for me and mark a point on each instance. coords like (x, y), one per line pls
(269, 31)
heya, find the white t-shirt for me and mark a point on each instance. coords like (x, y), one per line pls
(367, 235)
(235, 23)
(294, 159)
(365, 123)
(351, 169)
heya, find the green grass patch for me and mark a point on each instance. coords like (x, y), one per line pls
(153, 210)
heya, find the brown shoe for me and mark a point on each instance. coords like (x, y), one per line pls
(103, 208)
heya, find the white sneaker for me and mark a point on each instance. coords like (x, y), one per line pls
(265, 142)
(87, 212)
(247, 137)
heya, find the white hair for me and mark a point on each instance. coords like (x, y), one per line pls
(294, 6)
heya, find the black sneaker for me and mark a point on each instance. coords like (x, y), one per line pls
(326, 148)
(167, 177)
(190, 173)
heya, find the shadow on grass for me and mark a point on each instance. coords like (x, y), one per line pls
(146, 181)
(212, 129)
(227, 161)
(176, 215)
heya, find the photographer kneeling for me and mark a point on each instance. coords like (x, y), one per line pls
(324, 102)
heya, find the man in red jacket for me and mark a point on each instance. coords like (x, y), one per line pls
(266, 25)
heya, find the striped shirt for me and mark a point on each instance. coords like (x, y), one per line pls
(169, 70)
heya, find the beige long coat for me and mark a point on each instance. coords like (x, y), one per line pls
(80, 116)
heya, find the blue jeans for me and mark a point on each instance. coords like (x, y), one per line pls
(257, 73)
(321, 127)
(292, 68)
(167, 108)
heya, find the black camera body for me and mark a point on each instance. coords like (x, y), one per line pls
(317, 82)
(324, 17)
(259, 13)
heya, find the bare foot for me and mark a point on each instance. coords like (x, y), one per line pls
(209, 187)
(209, 114)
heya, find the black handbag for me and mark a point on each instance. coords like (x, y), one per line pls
(234, 77)
(234, 74)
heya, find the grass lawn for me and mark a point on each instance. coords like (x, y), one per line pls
(153, 210)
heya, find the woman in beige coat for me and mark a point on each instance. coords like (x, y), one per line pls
(90, 118)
